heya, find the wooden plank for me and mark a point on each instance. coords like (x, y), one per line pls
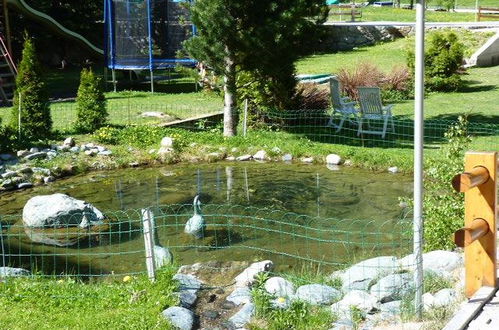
(183, 121)
(471, 309)
(480, 202)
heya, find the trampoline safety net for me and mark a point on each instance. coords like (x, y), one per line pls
(146, 34)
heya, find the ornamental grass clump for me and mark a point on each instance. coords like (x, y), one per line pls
(90, 103)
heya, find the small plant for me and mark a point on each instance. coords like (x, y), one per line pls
(365, 74)
(312, 97)
(90, 103)
(434, 282)
(32, 97)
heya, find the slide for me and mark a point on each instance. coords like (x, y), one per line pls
(53, 25)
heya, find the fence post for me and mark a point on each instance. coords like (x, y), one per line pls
(19, 116)
(478, 237)
(245, 121)
(147, 223)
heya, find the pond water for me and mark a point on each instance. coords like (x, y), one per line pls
(301, 214)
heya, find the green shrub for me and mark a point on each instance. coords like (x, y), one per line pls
(31, 93)
(443, 60)
(6, 138)
(443, 207)
(90, 103)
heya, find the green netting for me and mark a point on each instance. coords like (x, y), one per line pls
(233, 233)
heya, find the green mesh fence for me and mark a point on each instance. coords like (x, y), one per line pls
(233, 233)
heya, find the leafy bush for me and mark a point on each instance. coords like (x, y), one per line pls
(443, 61)
(32, 97)
(90, 103)
(312, 97)
(443, 207)
(6, 138)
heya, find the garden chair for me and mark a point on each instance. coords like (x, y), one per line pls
(371, 108)
(342, 106)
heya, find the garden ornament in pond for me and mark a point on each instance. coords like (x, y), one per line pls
(196, 225)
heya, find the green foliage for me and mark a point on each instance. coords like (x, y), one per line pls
(444, 208)
(31, 96)
(443, 60)
(262, 39)
(128, 303)
(434, 282)
(7, 138)
(90, 103)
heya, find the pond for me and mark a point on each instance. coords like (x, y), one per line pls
(297, 213)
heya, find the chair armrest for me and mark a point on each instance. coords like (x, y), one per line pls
(388, 108)
(346, 99)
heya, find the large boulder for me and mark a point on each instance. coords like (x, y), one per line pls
(280, 287)
(362, 300)
(13, 272)
(360, 276)
(247, 276)
(317, 294)
(243, 316)
(180, 317)
(59, 210)
(440, 262)
(392, 287)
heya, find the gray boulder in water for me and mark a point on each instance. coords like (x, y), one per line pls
(59, 210)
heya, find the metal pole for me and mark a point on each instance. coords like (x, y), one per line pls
(147, 223)
(150, 32)
(245, 121)
(476, 11)
(418, 155)
(113, 74)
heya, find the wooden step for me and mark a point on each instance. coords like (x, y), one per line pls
(6, 75)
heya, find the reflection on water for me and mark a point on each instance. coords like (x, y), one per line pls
(250, 208)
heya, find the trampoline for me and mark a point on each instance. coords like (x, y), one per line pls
(146, 34)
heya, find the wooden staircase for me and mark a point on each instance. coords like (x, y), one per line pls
(8, 72)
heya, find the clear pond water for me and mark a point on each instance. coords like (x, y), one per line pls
(294, 214)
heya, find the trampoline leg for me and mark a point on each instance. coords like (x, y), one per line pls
(152, 82)
(113, 73)
(105, 78)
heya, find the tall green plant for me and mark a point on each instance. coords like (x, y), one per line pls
(90, 103)
(443, 61)
(31, 96)
(443, 207)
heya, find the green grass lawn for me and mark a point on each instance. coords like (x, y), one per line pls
(406, 15)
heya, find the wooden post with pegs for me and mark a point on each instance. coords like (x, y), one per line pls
(478, 237)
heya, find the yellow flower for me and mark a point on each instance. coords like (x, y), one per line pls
(281, 300)
(127, 278)
(60, 281)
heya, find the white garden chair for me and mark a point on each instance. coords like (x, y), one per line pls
(343, 107)
(371, 108)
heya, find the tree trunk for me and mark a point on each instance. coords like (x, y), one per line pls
(230, 105)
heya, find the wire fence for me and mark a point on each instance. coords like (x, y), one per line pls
(232, 233)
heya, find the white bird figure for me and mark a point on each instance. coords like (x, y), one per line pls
(196, 225)
(162, 255)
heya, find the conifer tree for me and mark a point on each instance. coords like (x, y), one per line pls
(263, 38)
(31, 96)
(90, 103)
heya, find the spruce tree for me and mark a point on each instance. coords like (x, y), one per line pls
(90, 103)
(263, 38)
(32, 95)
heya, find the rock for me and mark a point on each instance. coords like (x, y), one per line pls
(60, 210)
(36, 155)
(25, 185)
(247, 276)
(167, 142)
(180, 317)
(392, 307)
(428, 301)
(25, 170)
(153, 114)
(244, 315)
(162, 256)
(134, 164)
(360, 299)
(392, 287)
(440, 262)
(211, 314)
(393, 169)
(91, 152)
(307, 160)
(22, 153)
(34, 150)
(62, 148)
(41, 170)
(287, 158)
(317, 294)
(74, 149)
(280, 287)
(445, 297)
(261, 155)
(101, 149)
(343, 324)
(333, 159)
(13, 272)
(228, 305)
(6, 157)
(9, 174)
(230, 158)
(187, 298)
(165, 150)
(348, 162)
(51, 154)
(276, 150)
(240, 296)
(105, 153)
(243, 158)
(188, 282)
(70, 142)
(360, 276)
(48, 179)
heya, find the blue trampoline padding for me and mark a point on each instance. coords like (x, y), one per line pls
(143, 64)
(332, 2)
